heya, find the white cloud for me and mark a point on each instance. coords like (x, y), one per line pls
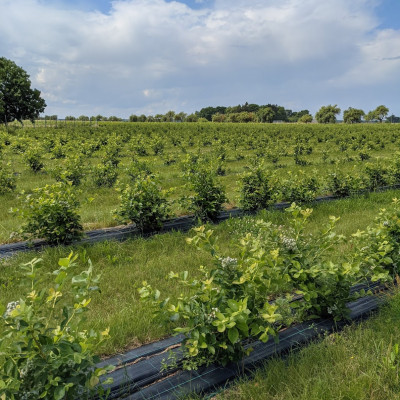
(146, 54)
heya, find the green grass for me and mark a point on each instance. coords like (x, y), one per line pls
(351, 365)
(125, 265)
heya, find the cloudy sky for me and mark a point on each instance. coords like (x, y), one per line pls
(128, 57)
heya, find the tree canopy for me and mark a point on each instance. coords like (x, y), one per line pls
(327, 114)
(353, 115)
(18, 101)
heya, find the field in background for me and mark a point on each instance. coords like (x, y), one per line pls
(289, 153)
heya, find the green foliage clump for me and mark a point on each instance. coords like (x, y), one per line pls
(252, 296)
(209, 196)
(46, 353)
(144, 203)
(51, 213)
(255, 192)
(33, 158)
(7, 179)
(104, 175)
(342, 185)
(72, 170)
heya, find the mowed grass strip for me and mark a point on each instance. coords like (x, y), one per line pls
(354, 364)
(125, 265)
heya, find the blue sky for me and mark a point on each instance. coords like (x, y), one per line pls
(151, 56)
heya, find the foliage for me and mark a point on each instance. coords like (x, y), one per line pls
(47, 355)
(342, 185)
(327, 114)
(71, 170)
(252, 296)
(51, 213)
(353, 115)
(209, 196)
(255, 192)
(33, 157)
(305, 119)
(7, 179)
(104, 175)
(17, 100)
(143, 203)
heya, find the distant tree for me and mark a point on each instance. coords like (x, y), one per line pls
(133, 118)
(100, 118)
(70, 118)
(327, 114)
(265, 114)
(142, 118)
(169, 116)
(192, 118)
(393, 119)
(296, 115)
(353, 115)
(219, 117)
(305, 119)
(17, 100)
(180, 117)
(83, 118)
(114, 118)
(158, 117)
(381, 112)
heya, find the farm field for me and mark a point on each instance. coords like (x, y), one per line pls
(300, 161)
(123, 266)
(246, 277)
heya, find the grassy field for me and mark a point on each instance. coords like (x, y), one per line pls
(125, 265)
(288, 153)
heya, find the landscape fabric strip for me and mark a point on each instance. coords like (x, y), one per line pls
(143, 377)
(122, 233)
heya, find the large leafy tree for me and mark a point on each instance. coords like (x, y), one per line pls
(327, 114)
(18, 101)
(353, 115)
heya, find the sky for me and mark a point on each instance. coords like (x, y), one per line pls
(126, 57)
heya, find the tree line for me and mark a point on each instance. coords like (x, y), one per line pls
(18, 101)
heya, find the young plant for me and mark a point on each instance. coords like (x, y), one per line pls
(209, 196)
(51, 213)
(46, 353)
(144, 203)
(255, 192)
(7, 179)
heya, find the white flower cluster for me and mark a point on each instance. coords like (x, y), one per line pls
(213, 313)
(386, 223)
(289, 243)
(11, 306)
(228, 262)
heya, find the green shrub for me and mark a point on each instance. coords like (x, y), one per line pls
(251, 297)
(209, 196)
(255, 192)
(51, 213)
(72, 170)
(7, 179)
(144, 203)
(34, 160)
(46, 353)
(104, 175)
(343, 185)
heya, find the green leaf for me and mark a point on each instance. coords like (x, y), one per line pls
(59, 392)
(233, 305)
(233, 335)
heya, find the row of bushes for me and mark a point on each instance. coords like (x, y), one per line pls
(51, 212)
(283, 275)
